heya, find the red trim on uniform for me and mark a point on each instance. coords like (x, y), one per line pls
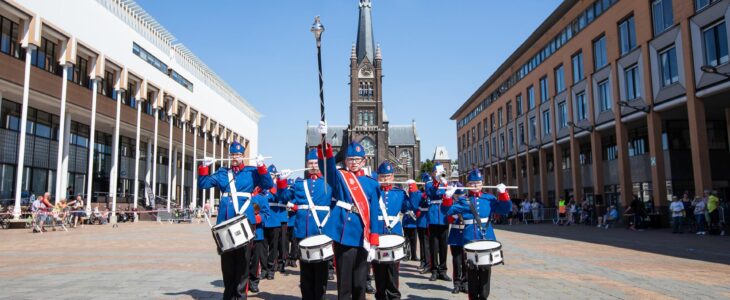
(203, 170)
(282, 184)
(503, 196)
(374, 239)
(448, 201)
(262, 170)
(450, 219)
(386, 187)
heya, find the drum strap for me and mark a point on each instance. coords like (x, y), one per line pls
(234, 194)
(312, 207)
(477, 217)
(386, 218)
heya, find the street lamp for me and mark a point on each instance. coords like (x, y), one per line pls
(645, 109)
(713, 70)
(589, 128)
(317, 30)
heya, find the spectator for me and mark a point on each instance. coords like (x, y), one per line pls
(78, 210)
(609, 218)
(572, 209)
(712, 203)
(561, 211)
(105, 216)
(525, 210)
(585, 210)
(535, 206)
(700, 206)
(97, 214)
(601, 211)
(688, 212)
(636, 208)
(677, 209)
(512, 214)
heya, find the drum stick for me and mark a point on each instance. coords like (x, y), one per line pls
(296, 170)
(227, 159)
(479, 188)
(402, 182)
(207, 219)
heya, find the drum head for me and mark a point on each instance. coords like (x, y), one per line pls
(482, 245)
(391, 240)
(229, 221)
(316, 240)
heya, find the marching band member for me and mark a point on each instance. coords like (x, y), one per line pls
(456, 245)
(234, 264)
(352, 223)
(259, 250)
(476, 209)
(438, 228)
(273, 230)
(393, 204)
(422, 225)
(309, 221)
(292, 243)
(410, 225)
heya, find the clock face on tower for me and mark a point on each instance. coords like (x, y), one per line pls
(368, 145)
(366, 71)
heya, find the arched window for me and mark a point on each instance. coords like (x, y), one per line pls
(368, 145)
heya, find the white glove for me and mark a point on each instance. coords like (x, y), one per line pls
(372, 254)
(450, 191)
(289, 205)
(501, 188)
(322, 129)
(440, 170)
(443, 180)
(284, 174)
(207, 161)
(410, 181)
(259, 160)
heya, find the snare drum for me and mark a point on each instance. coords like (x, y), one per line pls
(232, 234)
(316, 248)
(392, 249)
(484, 253)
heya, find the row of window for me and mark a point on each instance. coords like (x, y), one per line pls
(9, 37)
(163, 67)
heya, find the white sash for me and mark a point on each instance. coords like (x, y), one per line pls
(386, 218)
(234, 194)
(312, 207)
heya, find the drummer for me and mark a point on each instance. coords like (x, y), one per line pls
(310, 199)
(476, 209)
(456, 245)
(235, 263)
(394, 202)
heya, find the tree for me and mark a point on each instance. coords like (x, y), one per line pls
(426, 167)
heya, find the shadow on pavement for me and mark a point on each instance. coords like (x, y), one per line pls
(426, 286)
(198, 294)
(265, 295)
(217, 283)
(658, 241)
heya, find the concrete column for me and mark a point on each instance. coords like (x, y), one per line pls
(114, 176)
(136, 158)
(558, 171)
(530, 176)
(154, 152)
(64, 163)
(169, 164)
(542, 156)
(92, 131)
(575, 168)
(518, 167)
(597, 163)
(60, 191)
(194, 196)
(175, 169)
(148, 171)
(182, 173)
(624, 170)
(656, 152)
(23, 120)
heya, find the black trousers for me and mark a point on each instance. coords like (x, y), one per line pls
(313, 280)
(386, 281)
(479, 280)
(272, 236)
(258, 258)
(283, 245)
(234, 265)
(293, 247)
(411, 236)
(351, 267)
(438, 237)
(458, 262)
(423, 241)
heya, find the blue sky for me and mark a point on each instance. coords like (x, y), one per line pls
(435, 55)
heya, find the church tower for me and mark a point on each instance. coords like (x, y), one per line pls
(368, 124)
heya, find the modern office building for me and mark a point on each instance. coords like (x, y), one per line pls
(105, 76)
(607, 99)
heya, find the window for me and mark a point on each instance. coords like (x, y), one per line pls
(543, 89)
(715, 41)
(661, 11)
(491, 121)
(509, 111)
(494, 145)
(10, 115)
(530, 98)
(637, 146)
(546, 122)
(581, 107)
(577, 60)
(107, 84)
(521, 133)
(181, 80)
(533, 129)
(486, 150)
(604, 99)
(599, 53)
(501, 142)
(366, 118)
(151, 59)
(627, 35)
(499, 117)
(668, 65)
(562, 115)
(9, 38)
(631, 76)
(518, 104)
(44, 57)
(511, 139)
(584, 154)
(610, 151)
(701, 4)
(80, 72)
(566, 158)
(559, 79)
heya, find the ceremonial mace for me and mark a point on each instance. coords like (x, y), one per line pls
(317, 30)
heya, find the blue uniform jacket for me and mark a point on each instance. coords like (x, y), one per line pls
(456, 231)
(304, 224)
(484, 205)
(414, 201)
(263, 201)
(278, 210)
(343, 226)
(395, 201)
(436, 212)
(422, 220)
(246, 180)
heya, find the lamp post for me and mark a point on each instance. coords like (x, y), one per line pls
(317, 30)
(589, 128)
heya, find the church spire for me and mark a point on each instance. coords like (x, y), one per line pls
(365, 39)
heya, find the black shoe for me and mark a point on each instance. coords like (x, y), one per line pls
(369, 288)
(424, 270)
(282, 269)
(270, 276)
(444, 277)
(331, 276)
(433, 277)
(253, 289)
(464, 289)
(456, 290)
